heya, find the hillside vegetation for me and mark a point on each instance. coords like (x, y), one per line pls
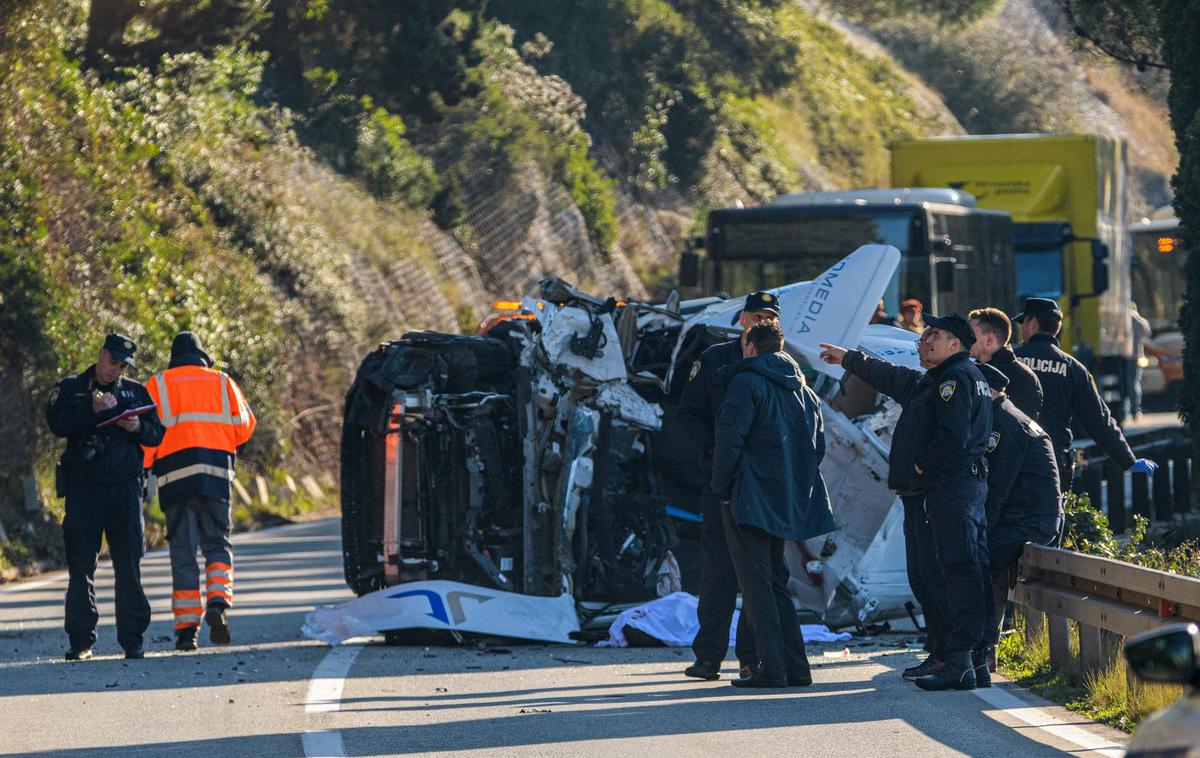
(296, 180)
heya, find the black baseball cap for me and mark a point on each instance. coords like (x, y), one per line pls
(956, 325)
(121, 348)
(995, 377)
(761, 301)
(1038, 307)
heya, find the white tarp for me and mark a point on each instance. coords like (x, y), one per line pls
(673, 620)
(449, 606)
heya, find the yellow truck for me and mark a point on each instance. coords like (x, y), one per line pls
(1067, 197)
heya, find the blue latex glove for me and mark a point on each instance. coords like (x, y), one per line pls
(1144, 466)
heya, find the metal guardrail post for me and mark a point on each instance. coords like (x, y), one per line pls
(1091, 651)
(1182, 475)
(1035, 620)
(1116, 498)
(1060, 641)
(1092, 483)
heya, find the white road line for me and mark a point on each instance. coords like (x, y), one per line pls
(1005, 701)
(325, 696)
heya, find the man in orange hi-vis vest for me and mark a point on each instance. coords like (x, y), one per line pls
(207, 419)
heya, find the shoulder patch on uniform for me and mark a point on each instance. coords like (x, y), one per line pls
(946, 389)
(54, 393)
(1034, 428)
(993, 441)
(695, 370)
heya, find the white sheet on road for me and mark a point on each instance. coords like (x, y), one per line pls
(450, 606)
(674, 621)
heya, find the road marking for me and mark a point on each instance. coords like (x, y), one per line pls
(1039, 719)
(325, 696)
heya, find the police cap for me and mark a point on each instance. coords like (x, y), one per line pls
(956, 325)
(121, 348)
(1038, 307)
(995, 377)
(761, 301)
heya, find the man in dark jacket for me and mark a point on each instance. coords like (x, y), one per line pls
(1023, 503)
(993, 331)
(698, 408)
(1070, 394)
(101, 473)
(769, 443)
(938, 448)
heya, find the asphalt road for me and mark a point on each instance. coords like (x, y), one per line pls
(272, 693)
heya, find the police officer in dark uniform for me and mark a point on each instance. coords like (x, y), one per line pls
(938, 447)
(1070, 394)
(993, 331)
(698, 408)
(1023, 502)
(101, 476)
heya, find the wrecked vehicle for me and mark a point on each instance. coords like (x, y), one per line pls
(543, 456)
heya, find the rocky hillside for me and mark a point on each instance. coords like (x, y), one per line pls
(297, 180)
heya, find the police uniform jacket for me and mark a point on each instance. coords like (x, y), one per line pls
(1024, 389)
(118, 454)
(770, 440)
(945, 422)
(1069, 393)
(1022, 472)
(701, 398)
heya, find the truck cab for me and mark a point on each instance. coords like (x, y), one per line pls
(1067, 196)
(955, 256)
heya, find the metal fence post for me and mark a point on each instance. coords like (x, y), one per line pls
(1183, 481)
(1163, 505)
(1116, 497)
(1140, 484)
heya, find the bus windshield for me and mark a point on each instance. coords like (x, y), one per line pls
(1157, 275)
(760, 248)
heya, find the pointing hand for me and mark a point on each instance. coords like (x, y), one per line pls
(832, 354)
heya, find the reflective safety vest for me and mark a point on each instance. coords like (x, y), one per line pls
(206, 419)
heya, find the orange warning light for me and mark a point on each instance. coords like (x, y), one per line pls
(1166, 244)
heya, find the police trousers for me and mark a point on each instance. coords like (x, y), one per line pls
(758, 560)
(718, 595)
(202, 523)
(958, 524)
(925, 573)
(1006, 542)
(113, 511)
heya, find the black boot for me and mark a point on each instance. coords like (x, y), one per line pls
(957, 674)
(931, 665)
(758, 679)
(706, 670)
(185, 639)
(983, 672)
(218, 624)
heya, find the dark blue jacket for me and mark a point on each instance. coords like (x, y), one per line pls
(117, 454)
(1070, 395)
(1024, 389)
(770, 440)
(945, 423)
(1022, 472)
(701, 398)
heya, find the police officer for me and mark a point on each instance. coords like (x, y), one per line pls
(698, 407)
(101, 474)
(938, 447)
(1023, 502)
(1069, 392)
(993, 331)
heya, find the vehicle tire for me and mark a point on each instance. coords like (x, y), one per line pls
(360, 561)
